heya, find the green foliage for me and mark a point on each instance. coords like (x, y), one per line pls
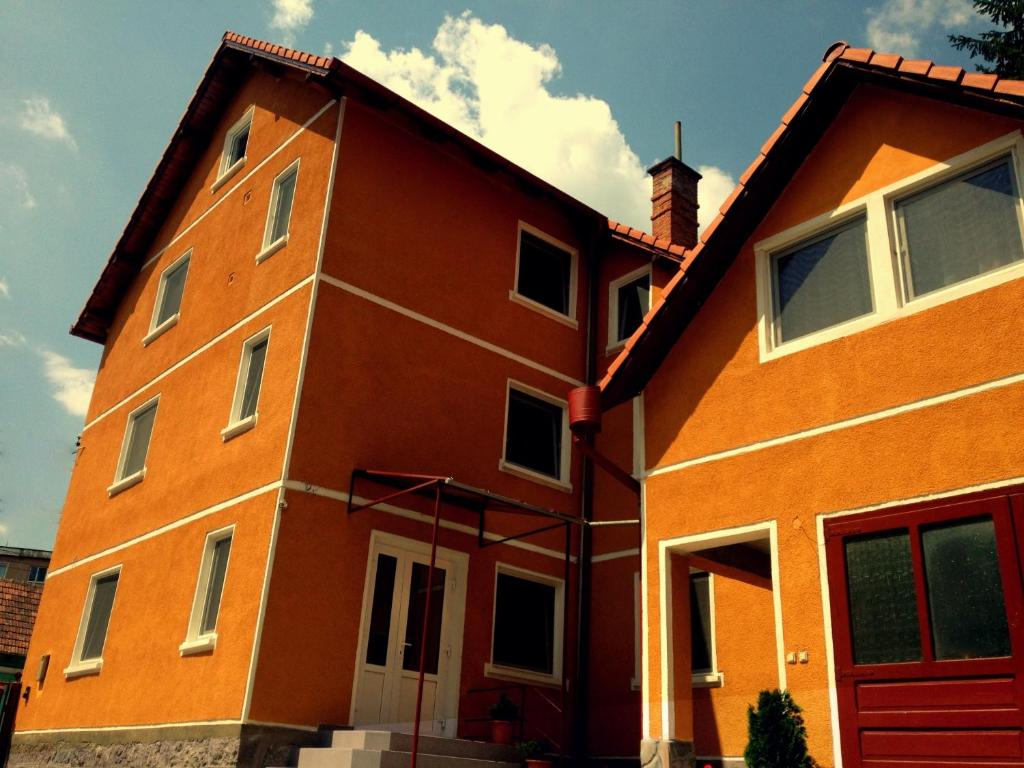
(529, 750)
(776, 734)
(505, 709)
(1001, 49)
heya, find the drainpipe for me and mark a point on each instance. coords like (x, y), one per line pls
(580, 717)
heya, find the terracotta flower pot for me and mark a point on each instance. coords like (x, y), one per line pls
(502, 732)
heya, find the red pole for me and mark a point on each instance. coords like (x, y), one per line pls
(426, 624)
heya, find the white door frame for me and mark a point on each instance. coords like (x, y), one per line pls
(455, 606)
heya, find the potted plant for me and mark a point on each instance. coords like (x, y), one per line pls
(533, 753)
(777, 736)
(504, 715)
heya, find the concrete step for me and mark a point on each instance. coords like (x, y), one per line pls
(333, 757)
(428, 745)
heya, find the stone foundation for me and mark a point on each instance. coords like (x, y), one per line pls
(666, 753)
(211, 746)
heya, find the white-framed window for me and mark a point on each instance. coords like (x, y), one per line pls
(87, 656)
(536, 440)
(546, 275)
(167, 307)
(236, 143)
(703, 653)
(213, 570)
(37, 574)
(951, 230)
(131, 466)
(244, 406)
(526, 631)
(629, 299)
(279, 214)
(3, 570)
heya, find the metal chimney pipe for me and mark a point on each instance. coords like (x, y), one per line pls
(679, 140)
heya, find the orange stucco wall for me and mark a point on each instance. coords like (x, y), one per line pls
(157, 528)
(713, 394)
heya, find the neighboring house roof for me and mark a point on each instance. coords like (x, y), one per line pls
(37, 554)
(657, 246)
(227, 70)
(19, 604)
(824, 95)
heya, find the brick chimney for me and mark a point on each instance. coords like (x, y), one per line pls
(674, 199)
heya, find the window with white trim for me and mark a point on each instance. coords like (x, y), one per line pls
(167, 307)
(702, 630)
(37, 574)
(280, 212)
(131, 466)
(87, 656)
(536, 435)
(629, 299)
(951, 230)
(3, 570)
(545, 274)
(202, 625)
(526, 638)
(236, 142)
(247, 386)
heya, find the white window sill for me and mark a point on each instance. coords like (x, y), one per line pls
(238, 427)
(161, 329)
(707, 680)
(521, 675)
(225, 177)
(83, 668)
(271, 249)
(198, 645)
(529, 474)
(536, 306)
(126, 482)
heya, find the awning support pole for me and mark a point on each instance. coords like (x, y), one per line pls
(426, 623)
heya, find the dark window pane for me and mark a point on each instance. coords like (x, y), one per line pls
(138, 441)
(883, 604)
(380, 613)
(823, 283)
(253, 378)
(414, 620)
(533, 438)
(544, 273)
(700, 622)
(238, 143)
(36, 573)
(174, 286)
(99, 617)
(960, 229)
(215, 587)
(284, 192)
(634, 300)
(524, 624)
(965, 593)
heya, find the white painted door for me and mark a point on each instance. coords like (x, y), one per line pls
(392, 636)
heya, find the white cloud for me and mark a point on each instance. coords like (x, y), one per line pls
(897, 26)
(72, 387)
(290, 17)
(11, 339)
(3, 531)
(714, 187)
(38, 117)
(14, 183)
(5, 289)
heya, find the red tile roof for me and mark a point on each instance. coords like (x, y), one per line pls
(658, 245)
(819, 102)
(19, 603)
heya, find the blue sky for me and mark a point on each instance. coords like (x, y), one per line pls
(583, 93)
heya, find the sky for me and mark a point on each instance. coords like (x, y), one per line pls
(584, 94)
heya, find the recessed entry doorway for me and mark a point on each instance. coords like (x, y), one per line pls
(391, 637)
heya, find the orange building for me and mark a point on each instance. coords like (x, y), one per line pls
(325, 301)
(833, 400)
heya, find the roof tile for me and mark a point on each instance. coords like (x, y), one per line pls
(19, 604)
(813, 81)
(979, 80)
(706, 234)
(862, 55)
(776, 135)
(950, 74)
(1010, 87)
(795, 108)
(886, 60)
(752, 169)
(915, 66)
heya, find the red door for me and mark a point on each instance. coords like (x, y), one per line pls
(927, 624)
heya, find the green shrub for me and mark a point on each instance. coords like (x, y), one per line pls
(777, 737)
(505, 709)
